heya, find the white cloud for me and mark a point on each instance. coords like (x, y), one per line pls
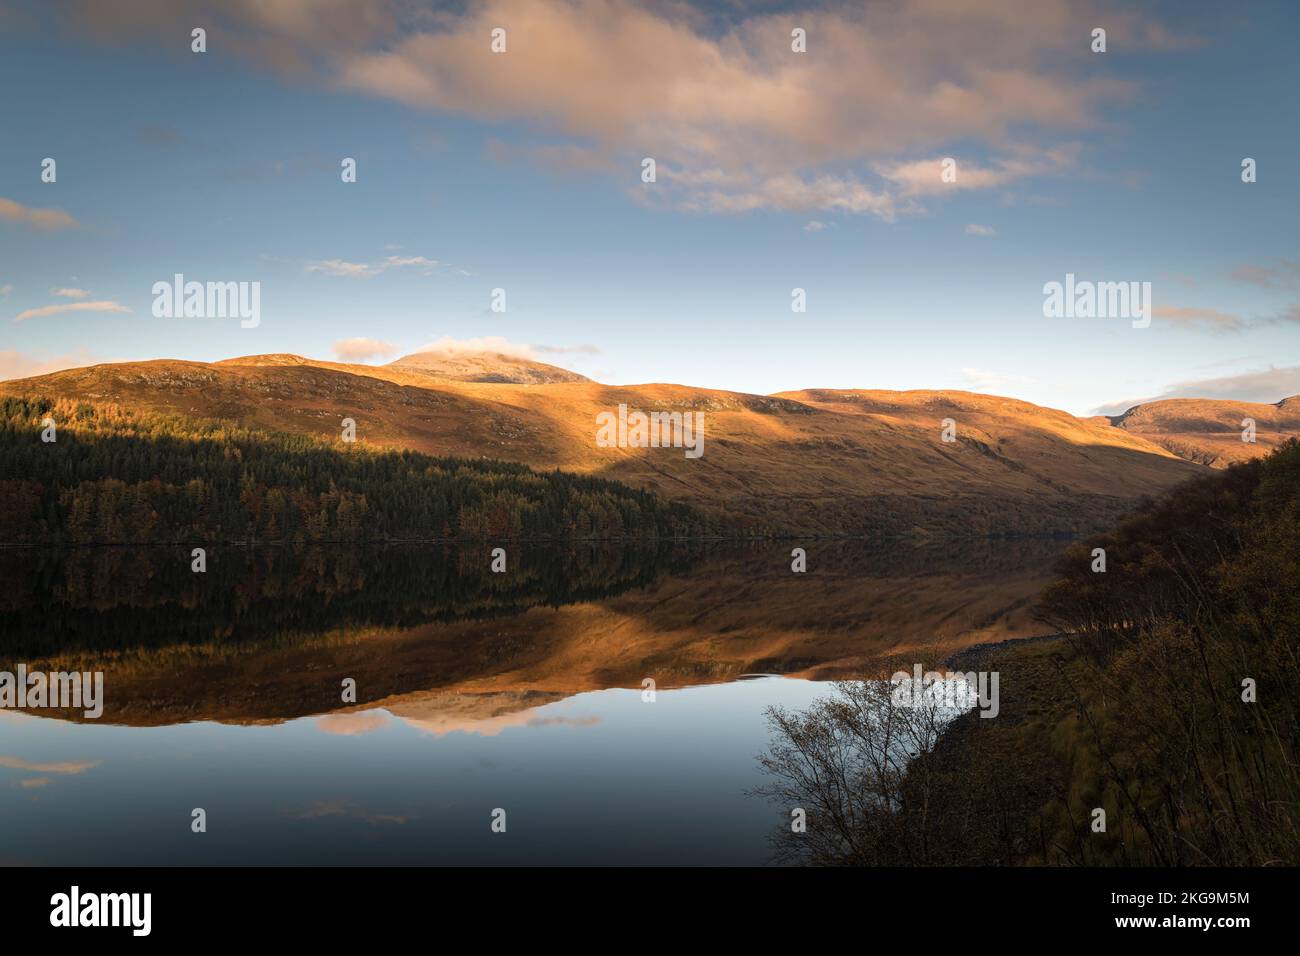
(487, 343)
(815, 225)
(924, 177)
(975, 229)
(102, 305)
(360, 349)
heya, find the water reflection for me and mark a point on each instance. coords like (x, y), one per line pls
(474, 691)
(271, 634)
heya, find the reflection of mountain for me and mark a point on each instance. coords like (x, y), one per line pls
(678, 619)
(812, 461)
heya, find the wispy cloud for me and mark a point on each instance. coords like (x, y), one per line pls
(1191, 317)
(367, 270)
(975, 229)
(1216, 320)
(101, 305)
(48, 220)
(70, 293)
(1278, 274)
(153, 134)
(6, 288)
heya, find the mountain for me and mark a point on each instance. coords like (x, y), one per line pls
(814, 461)
(1209, 431)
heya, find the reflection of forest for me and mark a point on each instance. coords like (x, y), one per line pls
(270, 634)
(113, 600)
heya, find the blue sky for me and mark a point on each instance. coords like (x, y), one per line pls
(777, 170)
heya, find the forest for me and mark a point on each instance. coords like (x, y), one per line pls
(1159, 725)
(112, 475)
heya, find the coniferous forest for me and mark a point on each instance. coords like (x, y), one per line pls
(112, 475)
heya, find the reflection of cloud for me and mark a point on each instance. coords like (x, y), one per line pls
(485, 714)
(492, 726)
(345, 808)
(352, 725)
(18, 763)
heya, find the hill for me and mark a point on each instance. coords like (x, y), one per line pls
(815, 461)
(1209, 431)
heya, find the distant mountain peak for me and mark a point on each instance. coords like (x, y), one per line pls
(468, 366)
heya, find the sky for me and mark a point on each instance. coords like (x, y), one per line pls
(775, 170)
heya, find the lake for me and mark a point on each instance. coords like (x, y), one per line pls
(475, 692)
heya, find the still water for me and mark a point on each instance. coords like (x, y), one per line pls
(476, 692)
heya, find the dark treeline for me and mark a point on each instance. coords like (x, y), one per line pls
(89, 602)
(118, 476)
(1169, 703)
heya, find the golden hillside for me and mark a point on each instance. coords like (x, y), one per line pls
(816, 461)
(1209, 431)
